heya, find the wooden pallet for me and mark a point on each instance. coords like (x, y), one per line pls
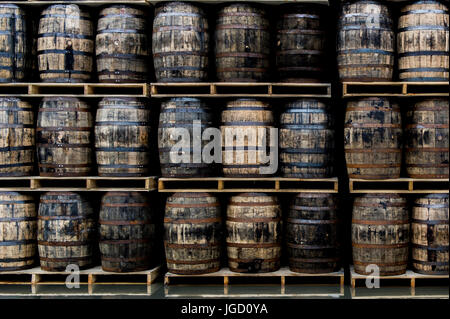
(395, 89)
(81, 2)
(400, 186)
(253, 185)
(78, 184)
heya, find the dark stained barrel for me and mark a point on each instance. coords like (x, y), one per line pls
(429, 229)
(64, 137)
(427, 133)
(306, 139)
(180, 42)
(254, 230)
(122, 45)
(13, 43)
(423, 41)
(365, 42)
(66, 231)
(373, 139)
(301, 43)
(246, 135)
(192, 233)
(178, 157)
(65, 44)
(380, 233)
(127, 232)
(17, 137)
(122, 137)
(18, 231)
(311, 233)
(242, 43)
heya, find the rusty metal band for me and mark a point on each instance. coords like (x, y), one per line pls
(242, 54)
(363, 263)
(379, 205)
(125, 223)
(313, 209)
(314, 260)
(260, 245)
(432, 205)
(427, 149)
(372, 125)
(383, 246)
(427, 126)
(192, 262)
(126, 241)
(55, 260)
(18, 242)
(67, 109)
(60, 145)
(62, 174)
(300, 246)
(194, 272)
(191, 195)
(179, 53)
(251, 204)
(431, 165)
(249, 260)
(62, 217)
(58, 129)
(430, 263)
(310, 221)
(63, 244)
(15, 260)
(182, 28)
(379, 222)
(297, 31)
(430, 222)
(192, 221)
(308, 52)
(209, 245)
(17, 219)
(365, 65)
(429, 108)
(428, 175)
(193, 205)
(242, 70)
(240, 14)
(372, 165)
(104, 258)
(64, 166)
(427, 247)
(253, 220)
(126, 205)
(371, 108)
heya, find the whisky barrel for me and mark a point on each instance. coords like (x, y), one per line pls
(301, 43)
(64, 137)
(254, 229)
(423, 41)
(65, 44)
(306, 139)
(192, 233)
(66, 231)
(429, 229)
(180, 42)
(247, 126)
(373, 139)
(380, 233)
(426, 153)
(365, 42)
(18, 231)
(13, 43)
(179, 141)
(17, 137)
(127, 232)
(122, 137)
(242, 43)
(122, 45)
(311, 233)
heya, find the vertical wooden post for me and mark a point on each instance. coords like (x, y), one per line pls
(149, 183)
(410, 185)
(35, 183)
(277, 185)
(88, 89)
(160, 185)
(225, 285)
(166, 280)
(91, 183)
(344, 89)
(283, 285)
(353, 283)
(404, 88)
(220, 184)
(153, 90)
(212, 89)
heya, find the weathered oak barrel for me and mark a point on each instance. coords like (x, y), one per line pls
(179, 141)
(127, 232)
(365, 42)
(373, 139)
(13, 43)
(427, 134)
(18, 231)
(17, 137)
(66, 231)
(311, 233)
(380, 234)
(423, 41)
(301, 43)
(65, 44)
(247, 126)
(64, 137)
(192, 233)
(180, 42)
(306, 139)
(121, 45)
(430, 232)
(242, 43)
(254, 229)
(122, 137)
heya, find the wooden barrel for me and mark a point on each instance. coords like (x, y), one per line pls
(192, 233)
(17, 137)
(65, 45)
(254, 230)
(380, 233)
(180, 43)
(242, 43)
(423, 41)
(64, 137)
(121, 45)
(301, 44)
(311, 233)
(66, 231)
(429, 229)
(365, 42)
(127, 232)
(306, 139)
(250, 122)
(18, 231)
(427, 131)
(373, 139)
(13, 43)
(178, 153)
(122, 137)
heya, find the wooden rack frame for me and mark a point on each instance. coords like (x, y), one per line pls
(399, 186)
(395, 89)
